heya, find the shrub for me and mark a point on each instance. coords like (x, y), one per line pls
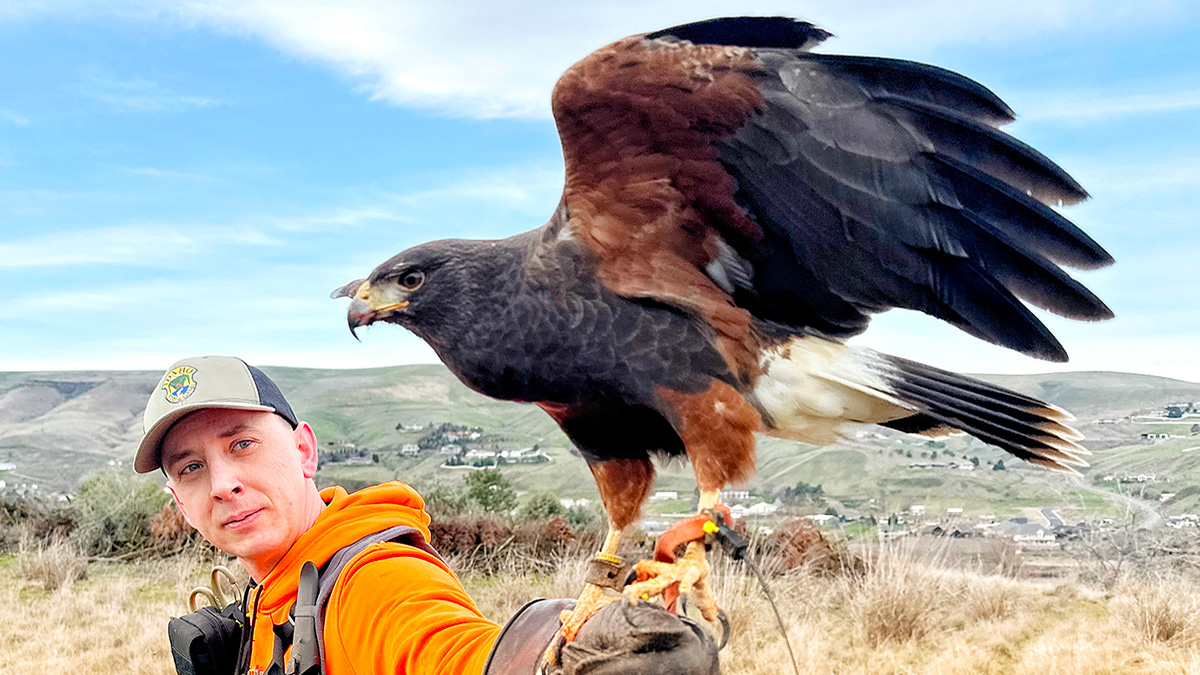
(169, 530)
(545, 537)
(115, 509)
(800, 544)
(445, 500)
(465, 534)
(44, 520)
(586, 518)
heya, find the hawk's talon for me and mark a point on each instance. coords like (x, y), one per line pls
(725, 629)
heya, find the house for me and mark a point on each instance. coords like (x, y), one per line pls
(916, 510)
(410, 450)
(532, 455)
(7, 466)
(663, 495)
(450, 449)
(1023, 531)
(481, 454)
(762, 509)
(734, 495)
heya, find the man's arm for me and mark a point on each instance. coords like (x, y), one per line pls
(397, 608)
(400, 609)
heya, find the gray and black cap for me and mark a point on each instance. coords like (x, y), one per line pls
(204, 382)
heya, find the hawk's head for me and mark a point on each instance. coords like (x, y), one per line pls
(418, 288)
(437, 289)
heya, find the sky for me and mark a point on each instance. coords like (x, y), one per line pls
(181, 178)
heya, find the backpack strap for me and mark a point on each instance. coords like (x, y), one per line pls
(313, 591)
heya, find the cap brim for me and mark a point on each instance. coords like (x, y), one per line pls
(147, 457)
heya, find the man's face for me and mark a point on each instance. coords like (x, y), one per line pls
(243, 480)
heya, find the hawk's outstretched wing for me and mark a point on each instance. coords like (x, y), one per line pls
(723, 168)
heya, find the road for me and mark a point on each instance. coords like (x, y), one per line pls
(1052, 518)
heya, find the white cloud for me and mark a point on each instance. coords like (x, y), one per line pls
(478, 58)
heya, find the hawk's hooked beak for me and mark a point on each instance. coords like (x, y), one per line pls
(365, 306)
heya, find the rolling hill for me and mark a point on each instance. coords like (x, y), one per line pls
(55, 427)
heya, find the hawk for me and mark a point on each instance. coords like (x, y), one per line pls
(735, 208)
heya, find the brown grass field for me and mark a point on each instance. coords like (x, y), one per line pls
(900, 617)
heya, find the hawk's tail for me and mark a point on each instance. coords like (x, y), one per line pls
(1031, 429)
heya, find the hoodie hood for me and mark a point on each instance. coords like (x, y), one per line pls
(346, 519)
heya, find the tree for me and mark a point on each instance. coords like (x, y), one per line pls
(999, 466)
(491, 491)
(540, 507)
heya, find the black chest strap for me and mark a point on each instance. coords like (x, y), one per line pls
(314, 589)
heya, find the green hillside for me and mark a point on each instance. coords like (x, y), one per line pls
(57, 426)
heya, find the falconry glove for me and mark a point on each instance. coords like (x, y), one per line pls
(620, 639)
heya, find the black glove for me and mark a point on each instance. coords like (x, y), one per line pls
(620, 639)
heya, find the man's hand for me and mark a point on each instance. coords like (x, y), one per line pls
(620, 639)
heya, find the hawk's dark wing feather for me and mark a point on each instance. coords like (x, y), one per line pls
(843, 185)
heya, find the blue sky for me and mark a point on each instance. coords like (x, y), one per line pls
(184, 178)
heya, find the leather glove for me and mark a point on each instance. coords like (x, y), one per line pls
(620, 639)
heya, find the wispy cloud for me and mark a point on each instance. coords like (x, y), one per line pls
(524, 189)
(533, 188)
(136, 94)
(13, 118)
(1082, 107)
(337, 218)
(153, 172)
(143, 245)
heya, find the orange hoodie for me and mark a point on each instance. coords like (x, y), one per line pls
(394, 609)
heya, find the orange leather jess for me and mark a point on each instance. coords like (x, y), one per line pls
(394, 609)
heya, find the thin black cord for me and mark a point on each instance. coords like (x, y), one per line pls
(738, 548)
(767, 591)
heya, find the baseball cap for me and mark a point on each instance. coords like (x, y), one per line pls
(204, 382)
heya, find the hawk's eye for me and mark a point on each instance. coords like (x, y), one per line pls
(412, 281)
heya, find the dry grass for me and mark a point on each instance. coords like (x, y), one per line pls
(53, 565)
(113, 621)
(899, 616)
(1163, 612)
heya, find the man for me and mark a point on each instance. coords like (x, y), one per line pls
(240, 465)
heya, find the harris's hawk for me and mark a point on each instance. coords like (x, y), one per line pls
(735, 208)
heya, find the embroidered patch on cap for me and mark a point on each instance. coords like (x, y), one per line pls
(179, 383)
